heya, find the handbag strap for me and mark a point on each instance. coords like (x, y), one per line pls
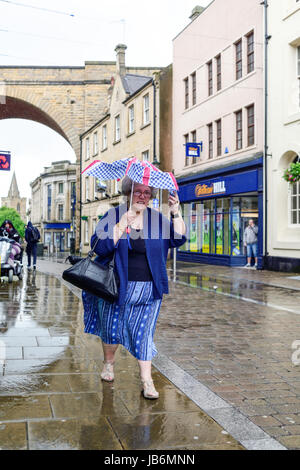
(111, 264)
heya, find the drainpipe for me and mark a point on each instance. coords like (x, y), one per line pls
(267, 38)
(155, 161)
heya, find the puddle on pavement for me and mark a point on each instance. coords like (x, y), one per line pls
(32, 311)
(284, 298)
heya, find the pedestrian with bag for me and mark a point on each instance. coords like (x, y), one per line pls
(138, 238)
(250, 242)
(32, 236)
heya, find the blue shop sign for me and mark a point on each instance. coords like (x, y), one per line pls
(193, 149)
(222, 186)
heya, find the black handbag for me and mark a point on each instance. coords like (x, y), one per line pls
(93, 277)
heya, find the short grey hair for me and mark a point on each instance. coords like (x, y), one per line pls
(127, 185)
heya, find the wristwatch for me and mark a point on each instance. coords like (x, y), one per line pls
(175, 216)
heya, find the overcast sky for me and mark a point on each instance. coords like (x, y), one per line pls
(33, 35)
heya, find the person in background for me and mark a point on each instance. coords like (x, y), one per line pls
(250, 241)
(140, 237)
(32, 236)
(7, 229)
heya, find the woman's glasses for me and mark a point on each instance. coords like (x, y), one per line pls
(144, 193)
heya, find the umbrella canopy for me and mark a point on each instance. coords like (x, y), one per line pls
(138, 171)
(107, 171)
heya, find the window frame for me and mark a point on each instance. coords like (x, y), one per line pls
(186, 93)
(95, 143)
(219, 137)
(194, 139)
(87, 188)
(186, 139)
(146, 109)
(250, 126)
(291, 209)
(60, 212)
(104, 137)
(146, 152)
(239, 59)
(86, 231)
(131, 127)
(210, 141)
(59, 186)
(194, 88)
(210, 78)
(250, 52)
(239, 129)
(87, 148)
(219, 72)
(117, 128)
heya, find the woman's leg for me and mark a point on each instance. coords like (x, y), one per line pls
(146, 379)
(145, 370)
(109, 351)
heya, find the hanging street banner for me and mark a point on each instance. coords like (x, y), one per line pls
(193, 149)
(5, 161)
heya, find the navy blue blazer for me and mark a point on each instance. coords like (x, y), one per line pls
(159, 236)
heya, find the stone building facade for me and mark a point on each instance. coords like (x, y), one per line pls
(14, 200)
(53, 203)
(283, 139)
(218, 98)
(131, 126)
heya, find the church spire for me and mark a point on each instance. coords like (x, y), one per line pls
(13, 190)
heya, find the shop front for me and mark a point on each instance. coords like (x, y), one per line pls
(216, 208)
(57, 237)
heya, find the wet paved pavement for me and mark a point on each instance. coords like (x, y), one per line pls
(226, 340)
(51, 394)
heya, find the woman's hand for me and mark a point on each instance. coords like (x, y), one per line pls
(174, 203)
(127, 219)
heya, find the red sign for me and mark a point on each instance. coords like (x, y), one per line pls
(5, 161)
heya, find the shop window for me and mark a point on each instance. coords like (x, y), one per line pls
(216, 226)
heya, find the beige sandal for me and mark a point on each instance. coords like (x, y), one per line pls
(148, 390)
(108, 372)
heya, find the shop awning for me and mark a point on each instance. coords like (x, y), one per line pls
(57, 226)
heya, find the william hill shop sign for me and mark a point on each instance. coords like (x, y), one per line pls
(203, 190)
(217, 187)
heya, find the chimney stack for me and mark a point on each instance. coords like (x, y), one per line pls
(120, 50)
(196, 12)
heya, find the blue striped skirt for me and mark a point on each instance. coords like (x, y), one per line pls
(132, 324)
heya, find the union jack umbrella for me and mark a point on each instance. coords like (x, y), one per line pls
(138, 171)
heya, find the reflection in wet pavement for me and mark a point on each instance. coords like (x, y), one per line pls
(278, 297)
(51, 394)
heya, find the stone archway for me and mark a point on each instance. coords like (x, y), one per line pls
(68, 100)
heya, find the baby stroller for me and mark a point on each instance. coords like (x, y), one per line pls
(7, 269)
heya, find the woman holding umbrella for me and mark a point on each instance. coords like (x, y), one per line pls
(140, 238)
